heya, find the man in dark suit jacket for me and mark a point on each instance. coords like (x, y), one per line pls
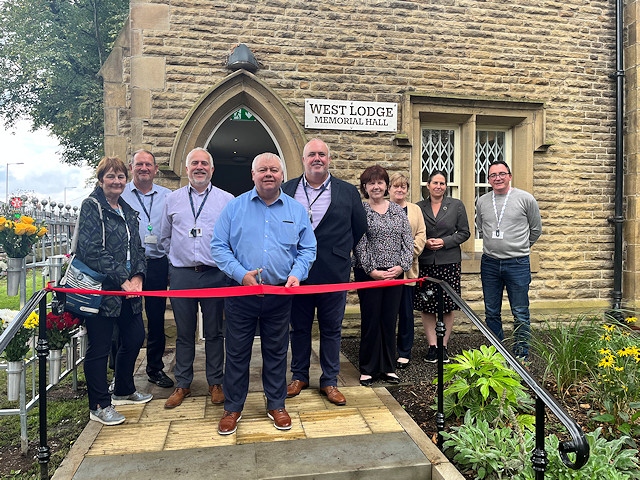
(339, 221)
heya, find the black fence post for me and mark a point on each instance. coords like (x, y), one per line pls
(440, 331)
(44, 453)
(539, 456)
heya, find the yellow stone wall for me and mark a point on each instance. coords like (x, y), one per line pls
(559, 53)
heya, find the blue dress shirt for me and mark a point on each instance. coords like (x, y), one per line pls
(178, 220)
(153, 202)
(277, 238)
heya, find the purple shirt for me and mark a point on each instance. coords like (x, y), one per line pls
(185, 239)
(315, 199)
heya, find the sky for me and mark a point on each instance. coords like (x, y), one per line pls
(42, 173)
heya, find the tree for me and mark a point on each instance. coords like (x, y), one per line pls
(50, 54)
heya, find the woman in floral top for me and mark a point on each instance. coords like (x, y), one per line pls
(384, 253)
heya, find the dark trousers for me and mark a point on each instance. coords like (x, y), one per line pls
(243, 314)
(378, 312)
(185, 311)
(330, 308)
(157, 278)
(99, 331)
(406, 326)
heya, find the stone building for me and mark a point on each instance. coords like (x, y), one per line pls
(458, 83)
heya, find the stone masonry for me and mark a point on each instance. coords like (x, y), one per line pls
(562, 54)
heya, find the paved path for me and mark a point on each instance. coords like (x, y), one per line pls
(369, 437)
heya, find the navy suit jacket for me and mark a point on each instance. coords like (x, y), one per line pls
(341, 228)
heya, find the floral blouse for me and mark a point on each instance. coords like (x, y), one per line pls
(388, 241)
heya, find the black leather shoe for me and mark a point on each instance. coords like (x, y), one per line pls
(402, 366)
(390, 378)
(367, 382)
(161, 379)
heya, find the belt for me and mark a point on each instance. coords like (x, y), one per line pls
(199, 268)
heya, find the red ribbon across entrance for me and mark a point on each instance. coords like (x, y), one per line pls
(242, 291)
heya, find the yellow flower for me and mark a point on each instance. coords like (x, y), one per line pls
(604, 351)
(608, 328)
(607, 362)
(32, 321)
(20, 228)
(618, 369)
(25, 219)
(31, 229)
(631, 319)
(41, 232)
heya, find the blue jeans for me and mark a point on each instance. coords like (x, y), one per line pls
(515, 275)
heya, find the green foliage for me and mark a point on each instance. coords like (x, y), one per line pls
(498, 453)
(616, 378)
(482, 383)
(50, 55)
(568, 350)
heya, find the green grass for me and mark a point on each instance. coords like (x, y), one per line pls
(13, 303)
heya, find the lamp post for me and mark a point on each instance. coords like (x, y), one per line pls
(7, 181)
(65, 194)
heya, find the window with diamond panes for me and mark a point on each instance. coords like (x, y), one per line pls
(490, 147)
(439, 152)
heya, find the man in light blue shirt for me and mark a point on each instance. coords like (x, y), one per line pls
(148, 199)
(190, 214)
(263, 236)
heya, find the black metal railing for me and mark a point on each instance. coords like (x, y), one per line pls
(578, 445)
(38, 301)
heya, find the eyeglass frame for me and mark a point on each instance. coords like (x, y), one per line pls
(493, 176)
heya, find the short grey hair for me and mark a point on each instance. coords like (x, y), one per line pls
(198, 149)
(142, 150)
(266, 155)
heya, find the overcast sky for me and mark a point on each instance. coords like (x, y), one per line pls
(42, 173)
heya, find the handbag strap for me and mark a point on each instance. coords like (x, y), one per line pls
(76, 231)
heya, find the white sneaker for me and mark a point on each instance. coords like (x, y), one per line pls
(106, 416)
(133, 399)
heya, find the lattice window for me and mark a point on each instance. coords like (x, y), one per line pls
(490, 147)
(439, 153)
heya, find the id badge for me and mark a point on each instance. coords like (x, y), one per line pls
(498, 234)
(195, 232)
(151, 239)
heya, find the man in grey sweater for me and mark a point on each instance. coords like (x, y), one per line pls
(509, 222)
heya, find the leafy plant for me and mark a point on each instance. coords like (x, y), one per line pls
(497, 453)
(483, 384)
(568, 350)
(616, 378)
(18, 346)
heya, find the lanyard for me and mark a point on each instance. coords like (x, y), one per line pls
(193, 209)
(148, 214)
(120, 212)
(495, 210)
(310, 203)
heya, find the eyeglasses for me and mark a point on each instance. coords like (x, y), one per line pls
(493, 176)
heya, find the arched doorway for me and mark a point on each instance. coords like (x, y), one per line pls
(234, 144)
(209, 125)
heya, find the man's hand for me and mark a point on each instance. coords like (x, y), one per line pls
(132, 285)
(252, 277)
(292, 282)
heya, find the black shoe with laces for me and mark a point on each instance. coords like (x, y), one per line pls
(432, 354)
(161, 379)
(445, 355)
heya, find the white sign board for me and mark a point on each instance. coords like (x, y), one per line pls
(346, 115)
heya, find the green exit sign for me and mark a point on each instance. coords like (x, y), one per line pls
(242, 115)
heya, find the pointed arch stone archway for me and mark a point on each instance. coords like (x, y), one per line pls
(241, 88)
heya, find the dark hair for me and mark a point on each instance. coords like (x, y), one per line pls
(438, 172)
(107, 163)
(375, 172)
(500, 162)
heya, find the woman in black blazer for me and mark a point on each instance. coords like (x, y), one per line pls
(447, 229)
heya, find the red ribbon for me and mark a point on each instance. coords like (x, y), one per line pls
(242, 291)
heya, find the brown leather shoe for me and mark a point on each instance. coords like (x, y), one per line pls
(333, 395)
(217, 396)
(176, 398)
(295, 387)
(281, 419)
(229, 422)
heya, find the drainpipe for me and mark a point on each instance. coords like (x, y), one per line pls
(618, 218)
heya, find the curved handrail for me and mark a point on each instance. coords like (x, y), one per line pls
(20, 318)
(579, 444)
